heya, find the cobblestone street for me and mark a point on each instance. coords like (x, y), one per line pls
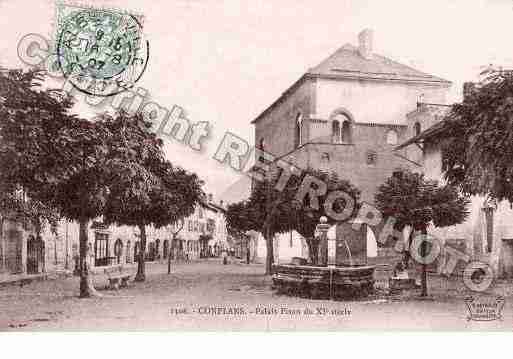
(210, 296)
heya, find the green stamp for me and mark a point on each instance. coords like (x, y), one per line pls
(101, 52)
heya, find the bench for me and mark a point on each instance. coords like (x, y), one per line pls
(117, 278)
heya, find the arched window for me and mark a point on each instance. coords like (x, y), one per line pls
(417, 128)
(299, 130)
(341, 129)
(261, 144)
(392, 137)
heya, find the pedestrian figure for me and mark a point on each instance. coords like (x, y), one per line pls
(225, 257)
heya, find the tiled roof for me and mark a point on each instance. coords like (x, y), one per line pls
(346, 62)
(429, 133)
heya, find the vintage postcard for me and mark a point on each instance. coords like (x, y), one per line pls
(256, 165)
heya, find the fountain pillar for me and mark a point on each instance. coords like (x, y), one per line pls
(322, 228)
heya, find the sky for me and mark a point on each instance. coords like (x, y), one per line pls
(225, 61)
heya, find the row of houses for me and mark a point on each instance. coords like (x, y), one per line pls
(201, 235)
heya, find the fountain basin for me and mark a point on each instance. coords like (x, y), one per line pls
(324, 282)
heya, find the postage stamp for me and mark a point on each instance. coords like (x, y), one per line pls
(100, 51)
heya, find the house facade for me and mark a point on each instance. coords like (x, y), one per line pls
(487, 234)
(347, 115)
(203, 234)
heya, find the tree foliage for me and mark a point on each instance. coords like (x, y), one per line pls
(270, 211)
(415, 201)
(477, 139)
(145, 188)
(84, 169)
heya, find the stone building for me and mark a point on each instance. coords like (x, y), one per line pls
(348, 114)
(487, 234)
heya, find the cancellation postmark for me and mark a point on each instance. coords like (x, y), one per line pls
(100, 51)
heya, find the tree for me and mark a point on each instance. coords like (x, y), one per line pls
(145, 189)
(476, 137)
(270, 211)
(239, 222)
(56, 157)
(77, 166)
(175, 229)
(307, 218)
(415, 201)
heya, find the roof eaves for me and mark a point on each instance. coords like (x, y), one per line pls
(282, 96)
(386, 77)
(424, 135)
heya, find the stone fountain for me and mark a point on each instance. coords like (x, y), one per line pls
(342, 274)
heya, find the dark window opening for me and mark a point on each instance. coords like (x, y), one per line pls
(372, 157)
(335, 131)
(417, 128)
(299, 130)
(346, 132)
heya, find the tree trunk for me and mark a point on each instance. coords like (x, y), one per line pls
(269, 260)
(313, 250)
(423, 252)
(86, 285)
(170, 250)
(2, 243)
(141, 270)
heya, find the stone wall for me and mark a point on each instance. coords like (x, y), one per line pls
(277, 126)
(374, 101)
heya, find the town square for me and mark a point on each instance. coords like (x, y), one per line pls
(201, 175)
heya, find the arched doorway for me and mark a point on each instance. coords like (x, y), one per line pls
(118, 250)
(128, 257)
(35, 255)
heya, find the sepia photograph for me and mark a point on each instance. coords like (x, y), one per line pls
(263, 166)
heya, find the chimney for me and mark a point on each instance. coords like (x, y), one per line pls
(365, 43)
